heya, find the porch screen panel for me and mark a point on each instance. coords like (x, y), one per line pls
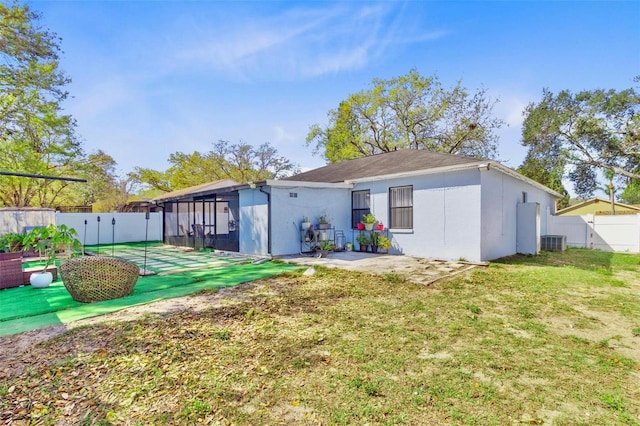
(184, 222)
(360, 205)
(170, 219)
(401, 207)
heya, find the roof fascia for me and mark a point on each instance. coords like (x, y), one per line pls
(305, 184)
(480, 165)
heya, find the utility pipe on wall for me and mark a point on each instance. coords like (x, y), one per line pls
(268, 194)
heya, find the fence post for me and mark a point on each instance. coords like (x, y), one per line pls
(591, 226)
(638, 230)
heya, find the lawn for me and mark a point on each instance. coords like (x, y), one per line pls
(552, 339)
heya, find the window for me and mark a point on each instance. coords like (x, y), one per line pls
(360, 205)
(401, 207)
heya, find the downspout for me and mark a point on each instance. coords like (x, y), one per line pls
(268, 194)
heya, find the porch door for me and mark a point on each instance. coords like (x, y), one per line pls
(220, 223)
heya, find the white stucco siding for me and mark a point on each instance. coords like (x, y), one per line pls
(253, 222)
(289, 205)
(446, 214)
(501, 194)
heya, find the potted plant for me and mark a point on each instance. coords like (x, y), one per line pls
(324, 222)
(368, 220)
(375, 241)
(305, 224)
(325, 247)
(384, 243)
(49, 241)
(363, 241)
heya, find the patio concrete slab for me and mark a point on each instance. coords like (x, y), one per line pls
(419, 270)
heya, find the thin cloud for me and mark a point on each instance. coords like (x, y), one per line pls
(300, 43)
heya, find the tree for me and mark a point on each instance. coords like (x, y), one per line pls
(104, 190)
(546, 168)
(34, 136)
(408, 112)
(631, 192)
(588, 132)
(240, 162)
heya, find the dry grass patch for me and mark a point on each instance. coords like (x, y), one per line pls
(495, 346)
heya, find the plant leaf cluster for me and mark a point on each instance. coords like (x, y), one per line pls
(580, 136)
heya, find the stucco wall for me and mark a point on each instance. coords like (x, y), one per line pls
(14, 220)
(446, 214)
(289, 205)
(253, 222)
(500, 197)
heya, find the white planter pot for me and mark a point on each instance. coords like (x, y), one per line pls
(305, 225)
(368, 226)
(41, 279)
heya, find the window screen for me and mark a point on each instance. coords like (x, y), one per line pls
(401, 207)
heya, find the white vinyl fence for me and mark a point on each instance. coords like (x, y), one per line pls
(620, 233)
(129, 227)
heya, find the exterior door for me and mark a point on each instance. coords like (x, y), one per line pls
(528, 228)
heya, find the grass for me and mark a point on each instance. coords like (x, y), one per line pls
(551, 339)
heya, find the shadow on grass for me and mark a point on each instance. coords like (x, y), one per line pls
(591, 260)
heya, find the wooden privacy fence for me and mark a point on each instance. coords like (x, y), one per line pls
(619, 233)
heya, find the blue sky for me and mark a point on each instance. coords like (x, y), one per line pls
(155, 77)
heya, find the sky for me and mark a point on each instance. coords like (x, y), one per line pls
(151, 78)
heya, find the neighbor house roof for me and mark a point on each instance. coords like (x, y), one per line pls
(597, 206)
(224, 185)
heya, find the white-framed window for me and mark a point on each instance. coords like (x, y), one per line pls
(401, 207)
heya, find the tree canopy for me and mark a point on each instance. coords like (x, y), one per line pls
(241, 162)
(581, 135)
(36, 137)
(411, 111)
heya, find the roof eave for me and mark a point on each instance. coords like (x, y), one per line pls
(481, 165)
(516, 175)
(299, 184)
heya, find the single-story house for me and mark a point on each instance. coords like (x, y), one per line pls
(597, 206)
(431, 205)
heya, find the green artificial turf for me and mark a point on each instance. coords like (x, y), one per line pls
(26, 308)
(120, 246)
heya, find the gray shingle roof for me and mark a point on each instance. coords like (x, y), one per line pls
(406, 160)
(192, 191)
